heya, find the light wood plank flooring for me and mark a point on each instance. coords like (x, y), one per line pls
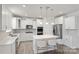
(26, 47)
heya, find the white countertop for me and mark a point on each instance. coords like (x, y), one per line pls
(44, 36)
(8, 40)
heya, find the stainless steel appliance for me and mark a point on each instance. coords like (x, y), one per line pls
(57, 30)
(29, 27)
(39, 30)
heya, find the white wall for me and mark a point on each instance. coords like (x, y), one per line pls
(14, 23)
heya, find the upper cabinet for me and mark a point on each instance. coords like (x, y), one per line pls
(20, 23)
(71, 22)
(24, 22)
(59, 20)
(6, 19)
(34, 24)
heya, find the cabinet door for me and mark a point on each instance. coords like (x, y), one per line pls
(9, 21)
(77, 22)
(26, 36)
(3, 22)
(59, 20)
(70, 23)
(13, 48)
(6, 20)
(34, 24)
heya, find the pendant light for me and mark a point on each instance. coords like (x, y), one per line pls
(41, 12)
(47, 14)
(51, 13)
(40, 21)
(52, 16)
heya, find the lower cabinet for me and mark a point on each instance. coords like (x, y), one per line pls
(8, 48)
(25, 36)
(43, 45)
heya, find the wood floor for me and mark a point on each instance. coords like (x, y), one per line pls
(27, 48)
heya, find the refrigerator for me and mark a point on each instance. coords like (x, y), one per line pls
(57, 30)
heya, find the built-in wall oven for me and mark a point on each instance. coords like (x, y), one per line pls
(39, 30)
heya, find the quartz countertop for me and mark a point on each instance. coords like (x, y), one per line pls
(44, 36)
(6, 39)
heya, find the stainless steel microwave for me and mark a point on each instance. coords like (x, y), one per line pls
(29, 27)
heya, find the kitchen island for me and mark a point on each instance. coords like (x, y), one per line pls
(44, 43)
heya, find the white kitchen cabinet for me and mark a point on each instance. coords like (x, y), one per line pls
(8, 48)
(25, 22)
(59, 20)
(71, 39)
(77, 21)
(48, 42)
(71, 22)
(9, 21)
(68, 42)
(26, 36)
(6, 19)
(16, 23)
(34, 24)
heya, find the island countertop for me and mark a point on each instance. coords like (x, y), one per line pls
(44, 36)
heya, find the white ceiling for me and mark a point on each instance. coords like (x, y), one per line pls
(33, 10)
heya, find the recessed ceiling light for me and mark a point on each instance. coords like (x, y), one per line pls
(52, 23)
(46, 23)
(23, 5)
(40, 22)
